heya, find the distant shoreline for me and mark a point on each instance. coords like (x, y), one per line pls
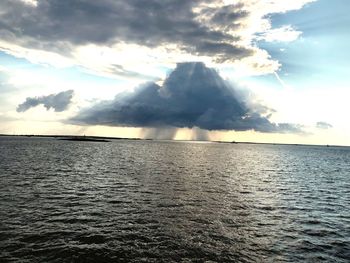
(83, 139)
(106, 139)
(74, 138)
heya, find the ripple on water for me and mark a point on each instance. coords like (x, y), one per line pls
(134, 201)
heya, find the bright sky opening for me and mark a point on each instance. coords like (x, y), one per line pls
(224, 70)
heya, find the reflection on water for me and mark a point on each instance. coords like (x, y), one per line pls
(132, 201)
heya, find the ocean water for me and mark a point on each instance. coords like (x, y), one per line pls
(159, 201)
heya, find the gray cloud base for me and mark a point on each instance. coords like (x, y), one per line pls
(192, 96)
(323, 125)
(59, 25)
(59, 102)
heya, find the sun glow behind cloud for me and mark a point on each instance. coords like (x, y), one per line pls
(232, 36)
(30, 2)
(237, 23)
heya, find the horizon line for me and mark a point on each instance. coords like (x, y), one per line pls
(173, 140)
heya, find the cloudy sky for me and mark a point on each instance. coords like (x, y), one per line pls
(253, 70)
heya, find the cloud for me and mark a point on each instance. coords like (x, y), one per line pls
(77, 22)
(30, 2)
(166, 31)
(282, 34)
(323, 125)
(191, 96)
(59, 102)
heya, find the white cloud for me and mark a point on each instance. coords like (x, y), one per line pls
(30, 2)
(37, 56)
(282, 34)
(240, 23)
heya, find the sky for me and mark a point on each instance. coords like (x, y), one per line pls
(223, 70)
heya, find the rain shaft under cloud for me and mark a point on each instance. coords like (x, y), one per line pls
(191, 96)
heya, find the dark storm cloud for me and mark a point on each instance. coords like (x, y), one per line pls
(229, 15)
(59, 24)
(59, 102)
(192, 96)
(323, 125)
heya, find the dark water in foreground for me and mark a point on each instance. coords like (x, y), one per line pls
(149, 201)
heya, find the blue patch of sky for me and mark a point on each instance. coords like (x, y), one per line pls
(321, 54)
(73, 73)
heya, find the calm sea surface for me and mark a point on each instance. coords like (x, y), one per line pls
(158, 201)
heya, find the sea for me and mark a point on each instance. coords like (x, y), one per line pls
(172, 201)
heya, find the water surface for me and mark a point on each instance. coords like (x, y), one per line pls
(158, 201)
